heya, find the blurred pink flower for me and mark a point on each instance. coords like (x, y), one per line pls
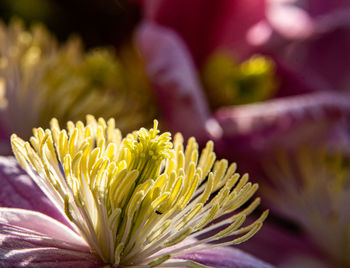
(308, 39)
(239, 131)
(307, 109)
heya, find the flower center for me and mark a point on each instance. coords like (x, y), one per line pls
(134, 200)
(228, 82)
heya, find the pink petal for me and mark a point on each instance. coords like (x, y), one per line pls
(259, 34)
(293, 82)
(206, 26)
(173, 75)
(259, 129)
(326, 54)
(317, 46)
(323, 7)
(283, 115)
(18, 190)
(32, 239)
(254, 117)
(290, 21)
(225, 257)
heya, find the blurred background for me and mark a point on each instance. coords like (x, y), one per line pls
(98, 23)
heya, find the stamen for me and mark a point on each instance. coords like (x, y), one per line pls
(134, 200)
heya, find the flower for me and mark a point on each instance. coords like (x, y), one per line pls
(282, 107)
(138, 201)
(41, 79)
(309, 56)
(252, 129)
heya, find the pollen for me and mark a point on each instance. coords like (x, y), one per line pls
(142, 200)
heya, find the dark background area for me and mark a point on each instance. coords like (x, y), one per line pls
(103, 22)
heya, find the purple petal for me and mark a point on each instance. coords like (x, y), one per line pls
(225, 257)
(18, 190)
(33, 239)
(173, 75)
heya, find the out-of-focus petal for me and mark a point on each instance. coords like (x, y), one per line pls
(18, 190)
(32, 239)
(293, 82)
(205, 25)
(325, 55)
(261, 128)
(317, 8)
(317, 46)
(223, 257)
(283, 19)
(310, 15)
(173, 75)
(281, 114)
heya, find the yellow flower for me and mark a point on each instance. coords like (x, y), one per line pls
(135, 199)
(39, 79)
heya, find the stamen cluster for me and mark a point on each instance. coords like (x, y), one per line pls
(134, 200)
(42, 79)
